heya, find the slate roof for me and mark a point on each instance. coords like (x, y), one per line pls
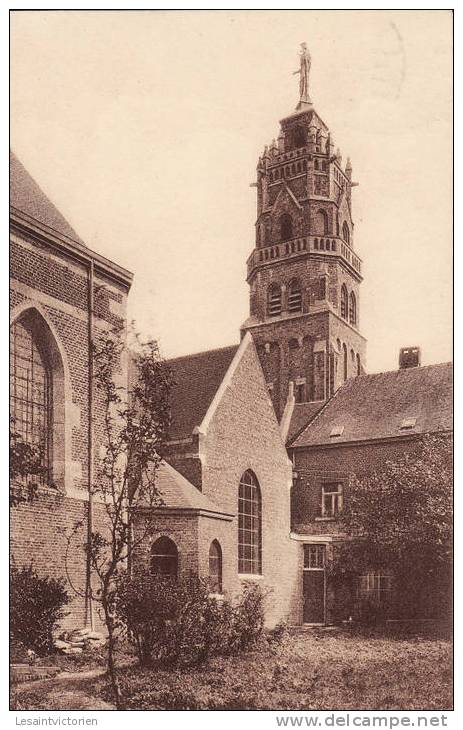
(28, 197)
(178, 493)
(301, 415)
(374, 406)
(196, 381)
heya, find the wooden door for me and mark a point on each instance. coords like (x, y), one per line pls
(314, 596)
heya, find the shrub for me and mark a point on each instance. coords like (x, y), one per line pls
(178, 622)
(36, 608)
(246, 618)
(171, 621)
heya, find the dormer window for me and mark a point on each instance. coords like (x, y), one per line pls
(408, 423)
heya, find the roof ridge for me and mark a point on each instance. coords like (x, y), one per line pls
(202, 352)
(400, 370)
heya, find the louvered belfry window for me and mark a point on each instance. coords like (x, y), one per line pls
(249, 525)
(274, 300)
(30, 392)
(295, 297)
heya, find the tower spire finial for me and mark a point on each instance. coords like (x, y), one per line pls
(303, 71)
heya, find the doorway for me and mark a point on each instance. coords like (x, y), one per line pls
(314, 584)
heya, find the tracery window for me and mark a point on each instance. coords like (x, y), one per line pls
(249, 525)
(30, 391)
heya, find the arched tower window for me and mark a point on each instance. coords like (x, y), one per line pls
(164, 557)
(344, 360)
(274, 300)
(346, 232)
(249, 525)
(344, 301)
(286, 227)
(215, 567)
(316, 164)
(352, 309)
(295, 296)
(321, 222)
(31, 391)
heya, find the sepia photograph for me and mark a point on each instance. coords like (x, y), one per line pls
(230, 373)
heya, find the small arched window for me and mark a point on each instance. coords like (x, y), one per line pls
(316, 164)
(321, 222)
(164, 557)
(295, 296)
(293, 344)
(215, 567)
(359, 367)
(344, 360)
(249, 525)
(352, 309)
(344, 301)
(30, 394)
(286, 227)
(345, 232)
(274, 300)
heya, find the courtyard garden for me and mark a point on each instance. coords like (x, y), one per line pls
(303, 670)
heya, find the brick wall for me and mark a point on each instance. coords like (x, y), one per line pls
(55, 289)
(243, 434)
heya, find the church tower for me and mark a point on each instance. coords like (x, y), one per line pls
(303, 273)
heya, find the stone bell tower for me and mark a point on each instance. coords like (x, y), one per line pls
(303, 273)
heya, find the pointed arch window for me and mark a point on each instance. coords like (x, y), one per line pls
(321, 222)
(30, 392)
(344, 301)
(352, 309)
(286, 227)
(344, 360)
(249, 525)
(164, 557)
(274, 300)
(215, 567)
(346, 232)
(295, 296)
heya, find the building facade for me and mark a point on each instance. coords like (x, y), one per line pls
(62, 294)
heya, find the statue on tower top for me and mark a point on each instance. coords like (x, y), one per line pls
(304, 70)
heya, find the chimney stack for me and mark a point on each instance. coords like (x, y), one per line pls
(409, 357)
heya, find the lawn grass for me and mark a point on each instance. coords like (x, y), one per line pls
(307, 671)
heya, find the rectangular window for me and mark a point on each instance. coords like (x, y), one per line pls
(314, 557)
(299, 393)
(375, 586)
(331, 499)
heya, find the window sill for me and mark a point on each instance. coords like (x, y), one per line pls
(250, 576)
(325, 519)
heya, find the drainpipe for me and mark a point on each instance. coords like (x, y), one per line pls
(88, 591)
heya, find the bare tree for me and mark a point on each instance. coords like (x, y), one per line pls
(135, 424)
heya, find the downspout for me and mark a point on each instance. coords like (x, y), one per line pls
(88, 591)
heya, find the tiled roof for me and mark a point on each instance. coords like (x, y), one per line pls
(27, 196)
(374, 406)
(178, 493)
(301, 415)
(196, 381)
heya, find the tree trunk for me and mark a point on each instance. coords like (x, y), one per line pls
(111, 660)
